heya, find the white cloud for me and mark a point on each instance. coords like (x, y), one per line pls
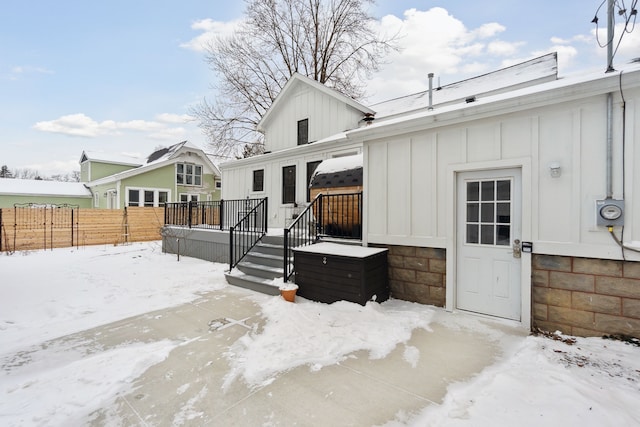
(26, 69)
(82, 125)
(502, 48)
(434, 41)
(174, 118)
(210, 30)
(489, 30)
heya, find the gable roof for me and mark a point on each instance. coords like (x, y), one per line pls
(158, 159)
(298, 78)
(36, 187)
(119, 159)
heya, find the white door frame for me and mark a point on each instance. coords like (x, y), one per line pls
(524, 164)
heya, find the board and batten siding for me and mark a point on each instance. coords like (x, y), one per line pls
(238, 176)
(327, 116)
(409, 177)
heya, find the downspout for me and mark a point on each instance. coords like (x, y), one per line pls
(609, 145)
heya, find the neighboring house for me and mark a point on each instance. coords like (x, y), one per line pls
(23, 191)
(504, 195)
(180, 173)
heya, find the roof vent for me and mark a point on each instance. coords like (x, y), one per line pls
(470, 99)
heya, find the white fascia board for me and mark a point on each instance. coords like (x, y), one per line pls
(298, 151)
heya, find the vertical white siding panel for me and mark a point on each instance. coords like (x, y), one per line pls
(482, 143)
(556, 138)
(576, 174)
(399, 178)
(451, 149)
(516, 134)
(423, 186)
(535, 178)
(378, 191)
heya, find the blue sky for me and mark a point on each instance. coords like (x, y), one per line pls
(120, 76)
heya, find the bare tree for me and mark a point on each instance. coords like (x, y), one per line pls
(331, 41)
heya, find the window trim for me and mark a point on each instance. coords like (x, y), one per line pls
(141, 190)
(290, 187)
(303, 125)
(254, 182)
(190, 197)
(195, 177)
(309, 175)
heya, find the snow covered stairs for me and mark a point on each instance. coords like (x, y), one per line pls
(260, 266)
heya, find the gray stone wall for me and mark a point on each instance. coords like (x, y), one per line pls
(417, 274)
(586, 297)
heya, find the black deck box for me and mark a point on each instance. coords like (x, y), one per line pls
(330, 272)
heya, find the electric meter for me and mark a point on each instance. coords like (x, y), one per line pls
(609, 212)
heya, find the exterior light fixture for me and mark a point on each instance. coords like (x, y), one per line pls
(555, 170)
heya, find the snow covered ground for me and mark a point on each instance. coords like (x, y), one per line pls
(45, 380)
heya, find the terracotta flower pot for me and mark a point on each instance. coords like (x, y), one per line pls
(289, 294)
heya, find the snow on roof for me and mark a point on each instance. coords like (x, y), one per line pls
(542, 69)
(339, 164)
(120, 158)
(34, 187)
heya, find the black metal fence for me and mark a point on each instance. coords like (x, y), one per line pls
(219, 215)
(245, 233)
(328, 215)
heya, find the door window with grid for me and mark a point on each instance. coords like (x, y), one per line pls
(488, 212)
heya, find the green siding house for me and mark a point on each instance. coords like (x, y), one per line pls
(182, 172)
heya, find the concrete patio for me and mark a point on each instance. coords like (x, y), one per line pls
(186, 388)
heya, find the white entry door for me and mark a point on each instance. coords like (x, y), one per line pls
(488, 228)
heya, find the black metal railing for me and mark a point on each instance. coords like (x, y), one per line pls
(219, 214)
(247, 231)
(328, 215)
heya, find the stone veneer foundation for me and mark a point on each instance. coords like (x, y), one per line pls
(417, 274)
(586, 297)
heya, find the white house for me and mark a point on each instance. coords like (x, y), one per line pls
(305, 125)
(513, 195)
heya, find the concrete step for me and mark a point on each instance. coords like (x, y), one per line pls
(269, 248)
(264, 259)
(258, 284)
(273, 239)
(259, 270)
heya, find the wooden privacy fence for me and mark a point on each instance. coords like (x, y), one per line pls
(31, 227)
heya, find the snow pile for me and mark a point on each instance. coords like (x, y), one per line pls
(319, 335)
(48, 294)
(70, 384)
(592, 382)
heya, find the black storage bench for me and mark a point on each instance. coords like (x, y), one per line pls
(330, 272)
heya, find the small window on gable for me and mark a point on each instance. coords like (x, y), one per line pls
(303, 132)
(258, 180)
